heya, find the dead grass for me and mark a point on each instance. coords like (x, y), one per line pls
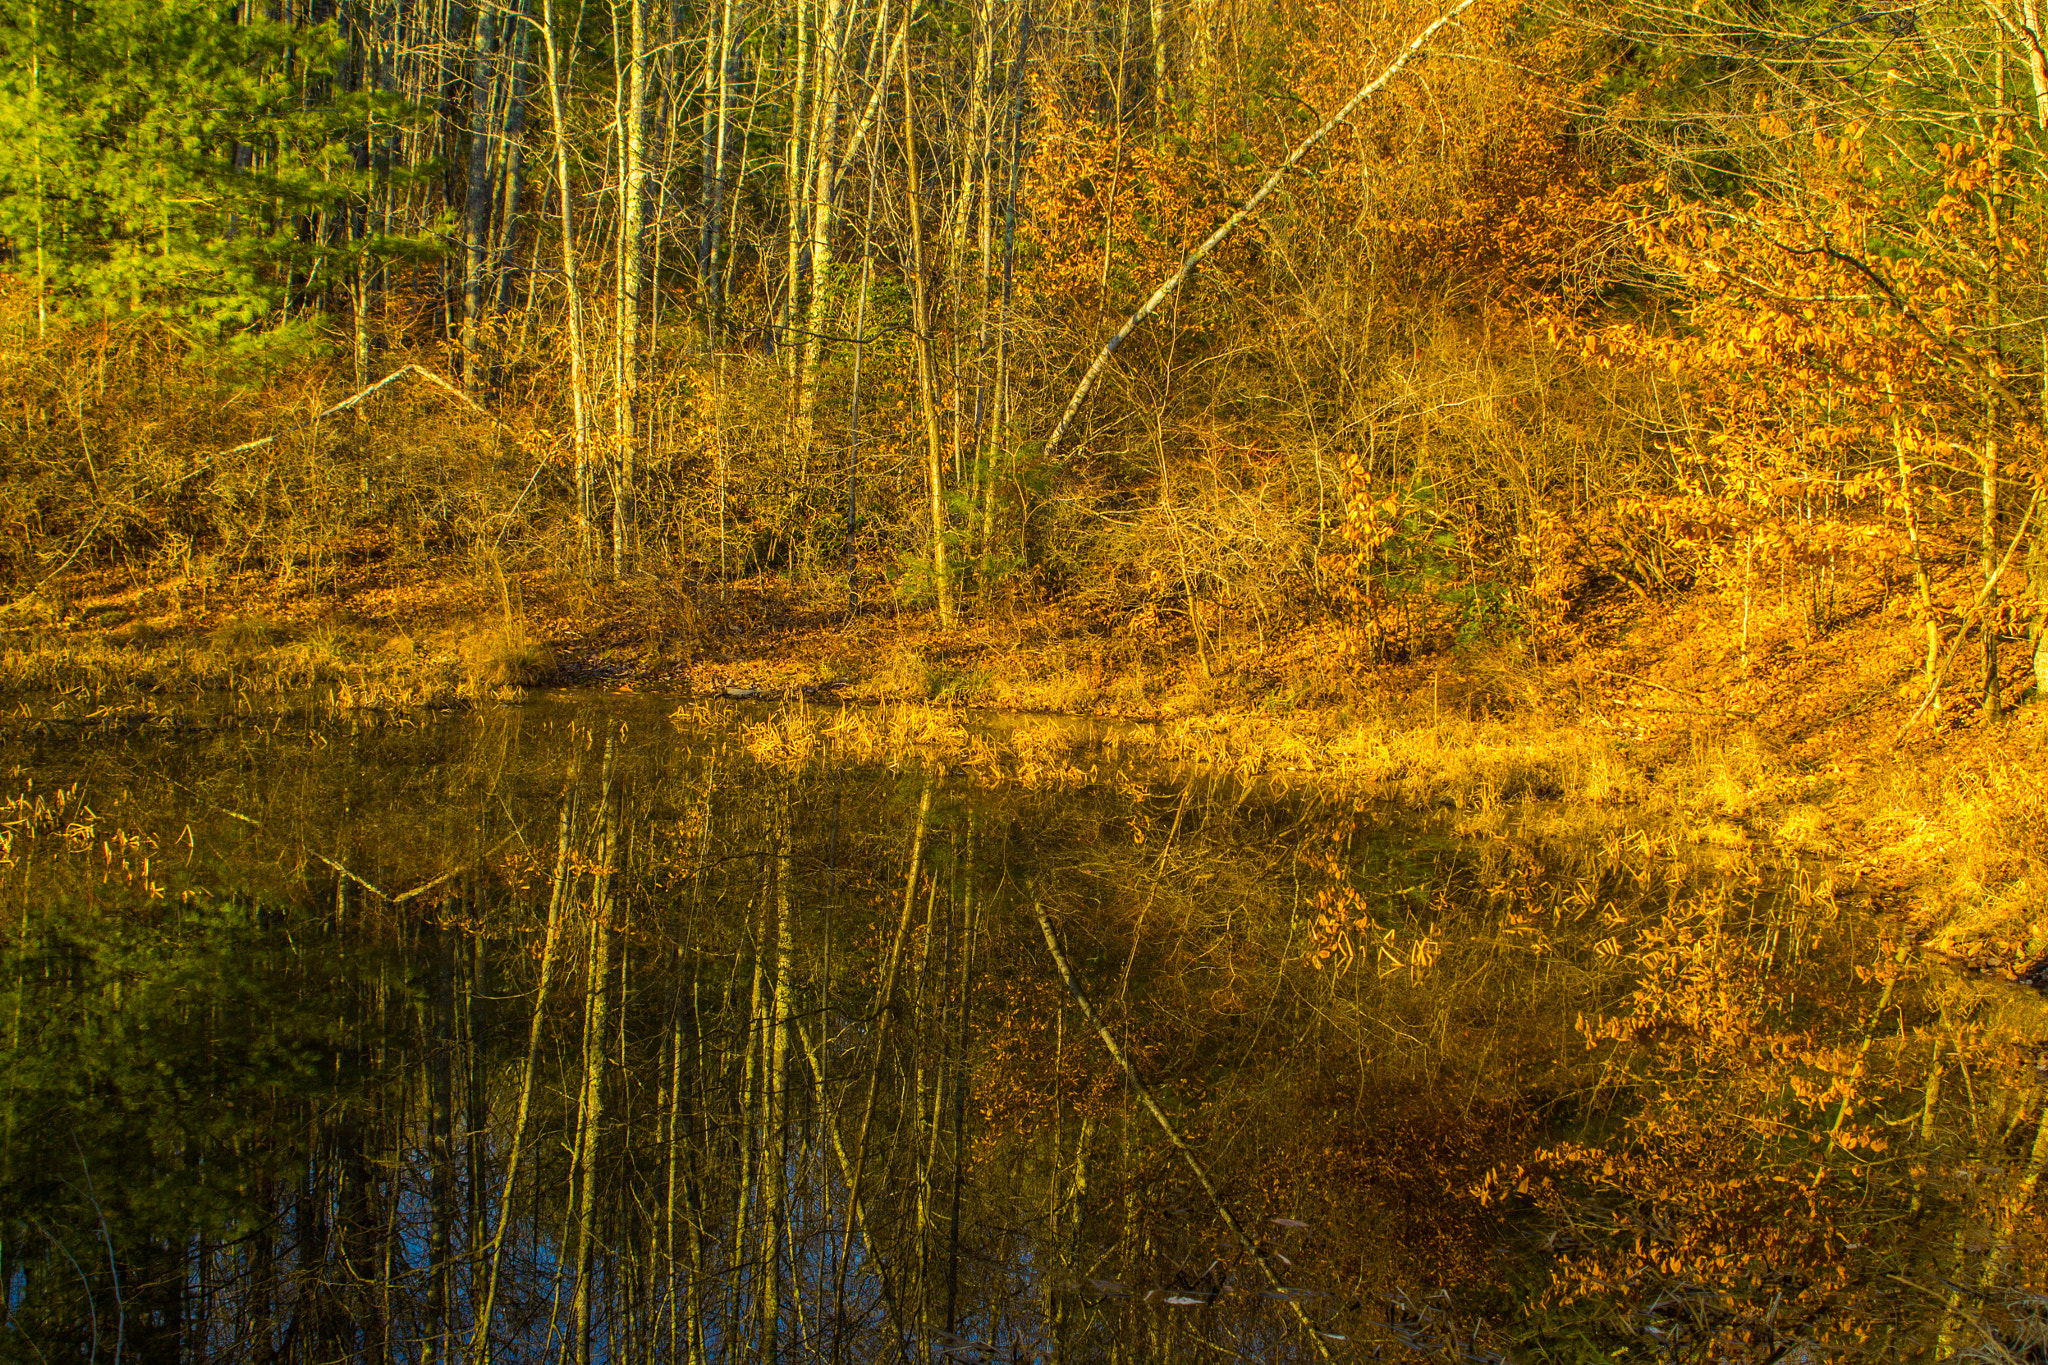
(1655, 721)
(502, 655)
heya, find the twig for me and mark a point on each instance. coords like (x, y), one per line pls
(1272, 182)
(113, 1264)
(251, 821)
(402, 897)
(538, 469)
(1686, 710)
(348, 874)
(343, 406)
(1962, 631)
(1166, 1126)
(76, 550)
(1630, 677)
(91, 1303)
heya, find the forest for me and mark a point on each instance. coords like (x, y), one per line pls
(1426, 327)
(1443, 608)
(1635, 404)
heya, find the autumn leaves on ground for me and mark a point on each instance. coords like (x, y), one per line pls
(1629, 417)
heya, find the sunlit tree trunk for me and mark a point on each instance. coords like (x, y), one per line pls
(999, 415)
(2037, 586)
(511, 184)
(1923, 585)
(586, 510)
(35, 124)
(969, 190)
(485, 91)
(795, 184)
(1989, 489)
(825, 162)
(1162, 88)
(719, 58)
(860, 322)
(632, 139)
(927, 380)
(830, 169)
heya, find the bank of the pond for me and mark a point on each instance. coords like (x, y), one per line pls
(1658, 723)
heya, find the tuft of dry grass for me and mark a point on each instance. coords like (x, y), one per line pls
(503, 656)
(245, 636)
(1045, 753)
(903, 672)
(1457, 763)
(1967, 839)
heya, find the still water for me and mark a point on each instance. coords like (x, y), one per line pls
(578, 1031)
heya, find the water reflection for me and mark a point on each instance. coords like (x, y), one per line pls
(578, 1034)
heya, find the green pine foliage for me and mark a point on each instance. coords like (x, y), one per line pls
(156, 160)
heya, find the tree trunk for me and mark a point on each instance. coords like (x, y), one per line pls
(1162, 90)
(824, 172)
(485, 91)
(512, 170)
(718, 119)
(480, 1335)
(794, 186)
(597, 983)
(441, 1137)
(999, 420)
(776, 1045)
(927, 381)
(578, 381)
(632, 136)
(1988, 560)
(1922, 583)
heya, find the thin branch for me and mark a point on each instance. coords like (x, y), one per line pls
(1272, 182)
(76, 550)
(1976, 607)
(1166, 1126)
(343, 406)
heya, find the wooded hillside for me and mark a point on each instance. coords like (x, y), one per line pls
(1741, 300)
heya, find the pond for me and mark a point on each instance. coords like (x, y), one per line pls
(589, 1030)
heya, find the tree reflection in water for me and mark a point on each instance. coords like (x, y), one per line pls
(571, 1034)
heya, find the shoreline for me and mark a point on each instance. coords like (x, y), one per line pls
(1633, 728)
